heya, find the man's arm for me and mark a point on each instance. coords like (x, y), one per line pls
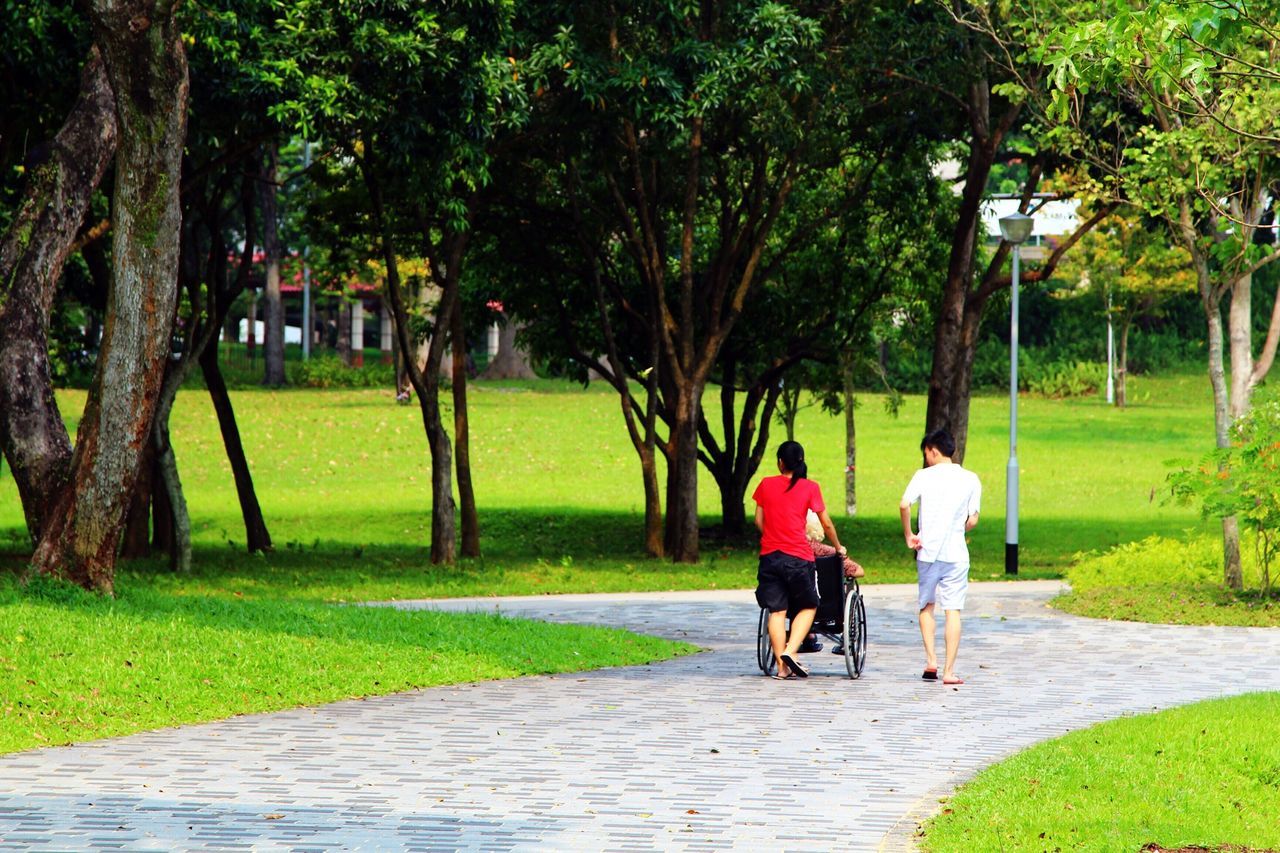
(760, 518)
(913, 541)
(970, 522)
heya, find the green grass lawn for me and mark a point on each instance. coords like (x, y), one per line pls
(1204, 775)
(343, 477)
(74, 666)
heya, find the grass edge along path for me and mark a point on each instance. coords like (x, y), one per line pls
(1205, 774)
(76, 667)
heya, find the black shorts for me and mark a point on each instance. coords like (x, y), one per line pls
(785, 582)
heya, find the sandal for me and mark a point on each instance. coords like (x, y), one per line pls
(794, 666)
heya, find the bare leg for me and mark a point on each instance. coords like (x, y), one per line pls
(778, 639)
(800, 628)
(953, 642)
(928, 627)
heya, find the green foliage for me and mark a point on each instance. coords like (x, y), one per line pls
(1153, 561)
(77, 667)
(1210, 144)
(1242, 479)
(1065, 379)
(326, 371)
(1167, 579)
(1199, 777)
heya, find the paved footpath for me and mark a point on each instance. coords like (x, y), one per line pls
(700, 753)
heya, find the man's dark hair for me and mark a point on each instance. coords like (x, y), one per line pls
(941, 441)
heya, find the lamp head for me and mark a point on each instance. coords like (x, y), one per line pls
(1016, 227)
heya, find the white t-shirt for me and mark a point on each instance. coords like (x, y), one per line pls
(948, 495)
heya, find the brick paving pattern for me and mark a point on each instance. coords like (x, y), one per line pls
(700, 753)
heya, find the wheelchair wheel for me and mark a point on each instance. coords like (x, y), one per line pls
(855, 632)
(764, 650)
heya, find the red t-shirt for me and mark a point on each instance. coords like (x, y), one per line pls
(784, 514)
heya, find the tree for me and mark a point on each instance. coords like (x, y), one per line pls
(40, 236)
(1243, 480)
(1136, 270)
(511, 361)
(688, 131)
(814, 309)
(1207, 165)
(414, 97)
(143, 54)
(974, 57)
(221, 190)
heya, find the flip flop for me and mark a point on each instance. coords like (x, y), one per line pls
(953, 681)
(782, 677)
(794, 666)
(930, 674)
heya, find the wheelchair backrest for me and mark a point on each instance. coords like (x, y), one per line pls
(831, 587)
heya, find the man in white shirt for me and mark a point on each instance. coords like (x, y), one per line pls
(949, 498)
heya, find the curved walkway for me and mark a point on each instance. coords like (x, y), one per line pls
(699, 753)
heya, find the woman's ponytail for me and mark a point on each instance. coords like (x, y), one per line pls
(791, 455)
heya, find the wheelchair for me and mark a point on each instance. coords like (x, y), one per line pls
(841, 618)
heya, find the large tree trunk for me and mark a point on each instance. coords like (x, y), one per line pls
(273, 332)
(510, 362)
(948, 400)
(136, 541)
(470, 519)
(681, 536)
(257, 538)
(142, 47)
(32, 252)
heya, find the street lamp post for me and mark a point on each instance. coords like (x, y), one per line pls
(308, 328)
(1015, 229)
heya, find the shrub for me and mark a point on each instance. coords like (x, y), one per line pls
(1159, 561)
(1243, 480)
(331, 372)
(1154, 561)
(1065, 379)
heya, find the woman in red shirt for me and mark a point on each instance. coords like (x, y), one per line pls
(787, 578)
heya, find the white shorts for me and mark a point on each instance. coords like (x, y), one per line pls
(943, 584)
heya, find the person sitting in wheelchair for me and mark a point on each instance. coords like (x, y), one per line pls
(813, 530)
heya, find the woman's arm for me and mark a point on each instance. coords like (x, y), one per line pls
(830, 529)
